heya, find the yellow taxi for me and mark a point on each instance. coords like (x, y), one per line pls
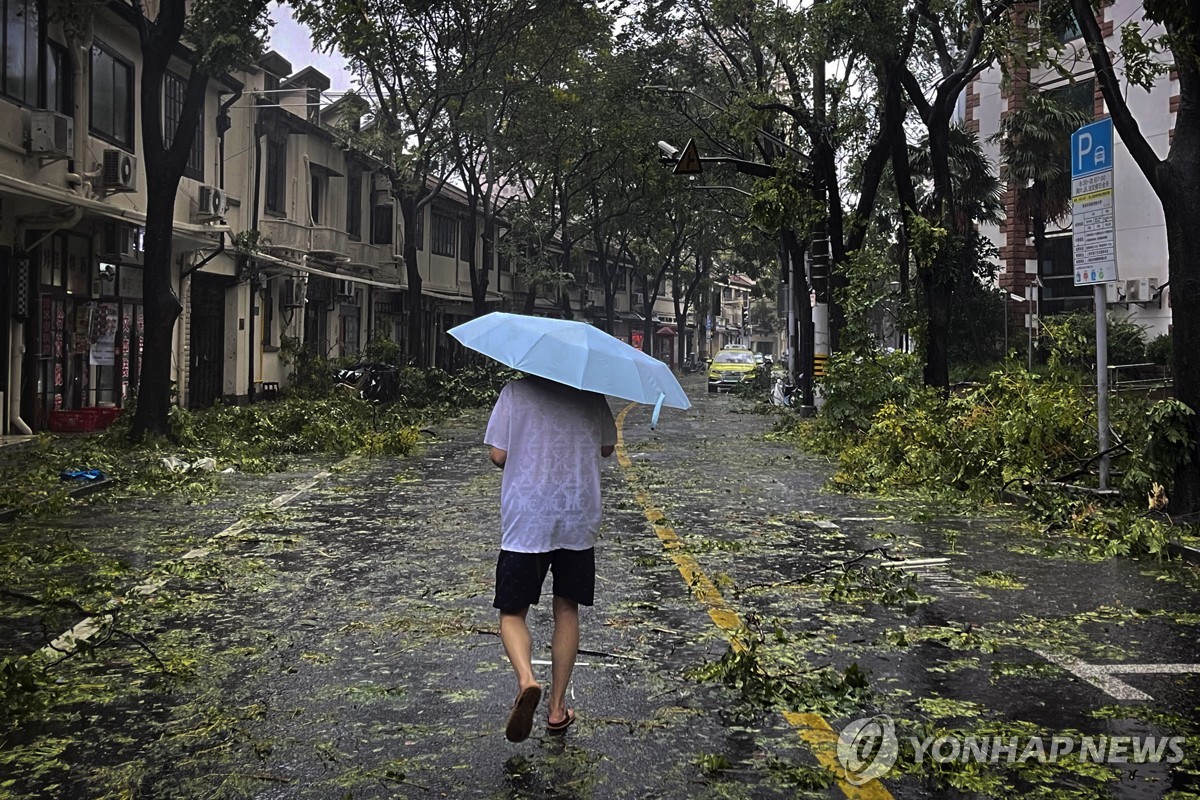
(730, 367)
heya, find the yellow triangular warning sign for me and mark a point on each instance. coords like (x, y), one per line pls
(689, 160)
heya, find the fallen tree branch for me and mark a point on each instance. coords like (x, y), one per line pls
(161, 664)
(38, 601)
(806, 577)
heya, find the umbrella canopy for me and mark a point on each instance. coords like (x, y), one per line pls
(573, 353)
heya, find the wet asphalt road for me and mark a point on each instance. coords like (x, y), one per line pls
(343, 644)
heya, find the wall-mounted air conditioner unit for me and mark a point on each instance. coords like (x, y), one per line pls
(120, 242)
(1141, 290)
(118, 171)
(1133, 293)
(345, 289)
(383, 183)
(213, 204)
(51, 133)
(291, 294)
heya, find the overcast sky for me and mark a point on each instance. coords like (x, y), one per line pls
(294, 42)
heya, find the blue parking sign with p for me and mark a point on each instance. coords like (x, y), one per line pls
(1092, 148)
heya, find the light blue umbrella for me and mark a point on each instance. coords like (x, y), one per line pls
(576, 354)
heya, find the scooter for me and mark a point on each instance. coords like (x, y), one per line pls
(783, 392)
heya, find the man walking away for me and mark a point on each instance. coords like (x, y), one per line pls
(548, 438)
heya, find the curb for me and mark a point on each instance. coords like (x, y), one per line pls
(1184, 552)
(83, 490)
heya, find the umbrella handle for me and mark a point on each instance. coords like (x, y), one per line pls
(657, 410)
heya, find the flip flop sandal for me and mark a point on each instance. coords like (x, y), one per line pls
(561, 727)
(520, 719)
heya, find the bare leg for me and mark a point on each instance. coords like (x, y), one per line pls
(514, 633)
(518, 644)
(563, 650)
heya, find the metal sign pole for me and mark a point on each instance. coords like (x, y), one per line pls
(1093, 228)
(1102, 380)
(792, 337)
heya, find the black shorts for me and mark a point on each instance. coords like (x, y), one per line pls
(519, 577)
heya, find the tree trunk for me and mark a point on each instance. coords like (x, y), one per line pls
(161, 306)
(163, 168)
(478, 272)
(415, 345)
(1182, 210)
(936, 293)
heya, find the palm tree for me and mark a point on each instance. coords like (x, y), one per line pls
(1035, 145)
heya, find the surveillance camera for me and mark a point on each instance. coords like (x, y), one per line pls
(668, 150)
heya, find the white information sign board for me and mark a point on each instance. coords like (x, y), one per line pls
(1094, 230)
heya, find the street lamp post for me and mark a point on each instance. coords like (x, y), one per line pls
(1029, 324)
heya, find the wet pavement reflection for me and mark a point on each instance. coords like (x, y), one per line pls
(343, 644)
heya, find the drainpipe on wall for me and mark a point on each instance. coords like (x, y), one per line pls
(250, 328)
(256, 132)
(81, 178)
(223, 126)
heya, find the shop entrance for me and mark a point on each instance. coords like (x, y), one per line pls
(206, 373)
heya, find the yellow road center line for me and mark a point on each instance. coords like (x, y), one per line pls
(813, 729)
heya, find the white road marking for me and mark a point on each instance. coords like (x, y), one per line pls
(85, 629)
(1101, 675)
(541, 662)
(915, 563)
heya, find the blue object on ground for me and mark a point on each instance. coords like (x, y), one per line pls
(81, 475)
(573, 353)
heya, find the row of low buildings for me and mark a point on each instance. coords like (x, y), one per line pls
(267, 158)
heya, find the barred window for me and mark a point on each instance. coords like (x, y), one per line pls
(174, 89)
(442, 243)
(276, 173)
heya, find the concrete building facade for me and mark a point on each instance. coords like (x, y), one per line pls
(283, 230)
(1045, 284)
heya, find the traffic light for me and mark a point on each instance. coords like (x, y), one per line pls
(746, 315)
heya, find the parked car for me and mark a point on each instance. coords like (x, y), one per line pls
(730, 367)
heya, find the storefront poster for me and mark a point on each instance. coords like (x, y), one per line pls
(103, 335)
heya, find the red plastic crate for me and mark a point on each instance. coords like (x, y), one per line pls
(105, 416)
(79, 421)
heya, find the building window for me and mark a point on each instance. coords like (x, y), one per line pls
(276, 173)
(354, 205)
(1065, 25)
(112, 97)
(316, 205)
(1080, 94)
(59, 95)
(382, 223)
(21, 18)
(174, 89)
(1059, 294)
(441, 242)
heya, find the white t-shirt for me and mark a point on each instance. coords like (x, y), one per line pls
(550, 492)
